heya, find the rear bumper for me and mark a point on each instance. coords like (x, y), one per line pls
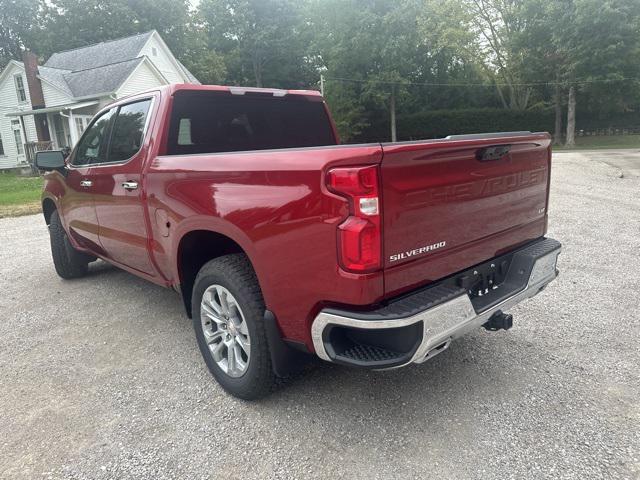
(421, 324)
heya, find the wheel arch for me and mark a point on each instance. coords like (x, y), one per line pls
(195, 248)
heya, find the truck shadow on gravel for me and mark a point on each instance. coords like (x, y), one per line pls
(467, 370)
(100, 268)
(455, 376)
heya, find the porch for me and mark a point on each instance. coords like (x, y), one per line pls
(66, 127)
(57, 128)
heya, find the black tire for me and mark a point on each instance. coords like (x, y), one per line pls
(69, 262)
(235, 273)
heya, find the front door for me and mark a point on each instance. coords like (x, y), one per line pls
(119, 193)
(77, 201)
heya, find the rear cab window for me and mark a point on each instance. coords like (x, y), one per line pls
(213, 122)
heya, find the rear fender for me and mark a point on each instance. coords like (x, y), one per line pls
(214, 225)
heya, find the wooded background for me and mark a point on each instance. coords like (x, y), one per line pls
(443, 66)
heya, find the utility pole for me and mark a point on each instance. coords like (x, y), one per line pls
(571, 118)
(392, 107)
(557, 134)
(322, 85)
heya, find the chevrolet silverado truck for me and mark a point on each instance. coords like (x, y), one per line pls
(284, 243)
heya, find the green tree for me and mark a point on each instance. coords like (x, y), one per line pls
(494, 34)
(601, 48)
(374, 45)
(205, 63)
(378, 54)
(75, 23)
(17, 19)
(262, 41)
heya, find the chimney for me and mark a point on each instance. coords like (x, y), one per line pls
(35, 95)
(35, 87)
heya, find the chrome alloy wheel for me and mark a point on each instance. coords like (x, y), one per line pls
(225, 330)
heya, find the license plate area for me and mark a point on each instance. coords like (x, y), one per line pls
(485, 278)
(488, 283)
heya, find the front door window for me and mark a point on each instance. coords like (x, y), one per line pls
(92, 147)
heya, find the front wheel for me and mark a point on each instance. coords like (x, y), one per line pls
(228, 312)
(69, 262)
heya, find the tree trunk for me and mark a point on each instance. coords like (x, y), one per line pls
(501, 96)
(557, 133)
(258, 74)
(392, 107)
(257, 68)
(571, 118)
(527, 96)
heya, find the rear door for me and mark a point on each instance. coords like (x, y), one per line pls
(118, 189)
(450, 204)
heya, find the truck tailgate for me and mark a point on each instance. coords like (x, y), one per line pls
(453, 203)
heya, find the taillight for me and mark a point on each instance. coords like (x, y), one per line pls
(359, 236)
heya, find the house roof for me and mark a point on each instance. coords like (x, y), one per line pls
(105, 53)
(103, 79)
(56, 77)
(190, 76)
(100, 69)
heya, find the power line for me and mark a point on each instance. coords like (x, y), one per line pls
(485, 85)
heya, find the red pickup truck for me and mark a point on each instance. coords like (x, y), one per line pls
(284, 243)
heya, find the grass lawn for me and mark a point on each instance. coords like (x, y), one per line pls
(19, 195)
(612, 141)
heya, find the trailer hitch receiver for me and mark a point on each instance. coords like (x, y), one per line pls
(499, 321)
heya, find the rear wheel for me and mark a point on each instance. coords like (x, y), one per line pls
(228, 312)
(69, 262)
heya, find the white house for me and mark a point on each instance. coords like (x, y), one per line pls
(51, 104)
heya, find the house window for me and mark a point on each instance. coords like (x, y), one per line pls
(1, 147)
(79, 125)
(17, 134)
(60, 133)
(154, 52)
(22, 94)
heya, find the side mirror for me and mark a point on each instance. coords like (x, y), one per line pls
(50, 160)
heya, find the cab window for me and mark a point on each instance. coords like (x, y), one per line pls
(92, 147)
(128, 130)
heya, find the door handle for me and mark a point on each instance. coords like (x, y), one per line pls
(130, 185)
(86, 183)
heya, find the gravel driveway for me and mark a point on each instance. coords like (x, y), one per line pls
(101, 377)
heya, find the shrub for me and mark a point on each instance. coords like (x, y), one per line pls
(440, 123)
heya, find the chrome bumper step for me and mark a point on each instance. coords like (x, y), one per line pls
(426, 320)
